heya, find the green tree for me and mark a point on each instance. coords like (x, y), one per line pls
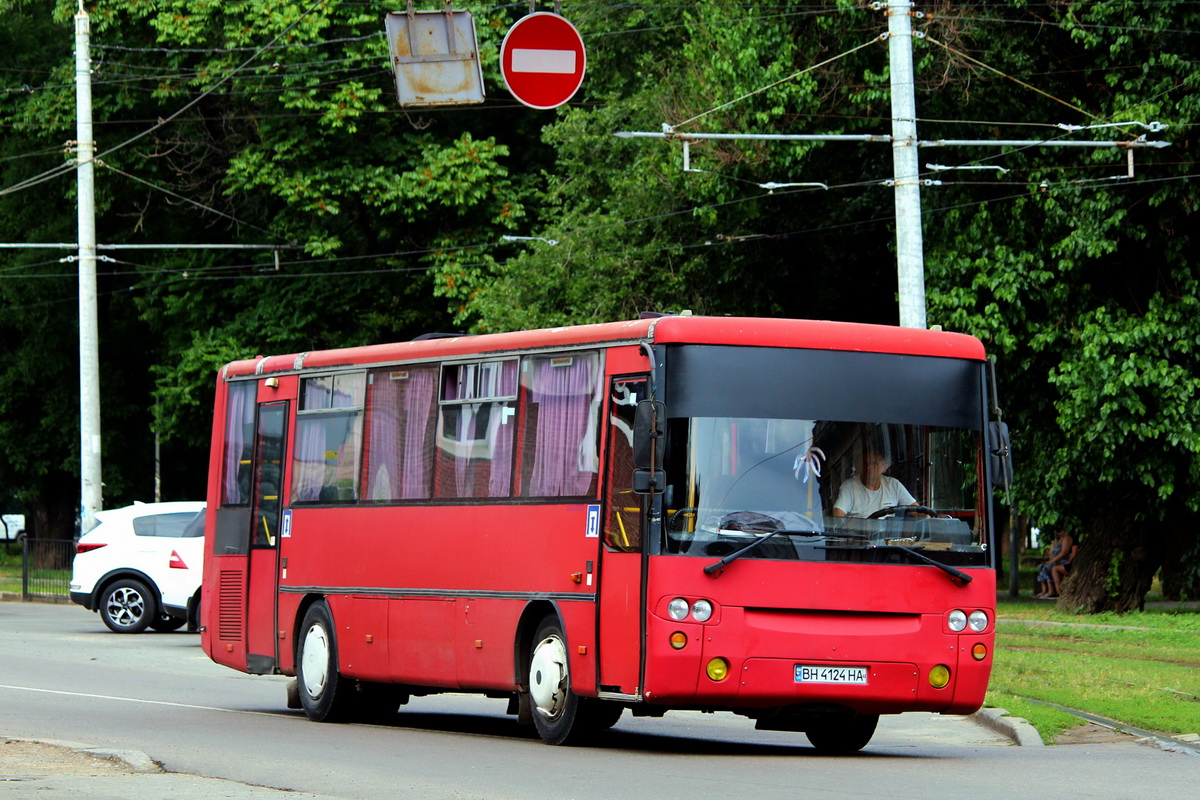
(234, 123)
(1083, 284)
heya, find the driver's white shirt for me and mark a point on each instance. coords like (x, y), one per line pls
(856, 500)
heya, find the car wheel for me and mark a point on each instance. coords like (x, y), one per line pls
(127, 606)
(166, 623)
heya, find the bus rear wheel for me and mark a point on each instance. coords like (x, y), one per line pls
(845, 735)
(325, 695)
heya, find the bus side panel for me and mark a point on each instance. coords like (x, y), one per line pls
(579, 626)
(772, 616)
(453, 576)
(485, 642)
(223, 610)
(362, 626)
(421, 641)
(288, 622)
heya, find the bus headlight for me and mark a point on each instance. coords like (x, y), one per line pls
(939, 676)
(978, 620)
(701, 610)
(957, 621)
(677, 609)
(717, 669)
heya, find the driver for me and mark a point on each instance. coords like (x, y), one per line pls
(869, 490)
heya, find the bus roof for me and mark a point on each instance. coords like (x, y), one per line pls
(746, 331)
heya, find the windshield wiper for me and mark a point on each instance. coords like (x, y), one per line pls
(959, 577)
(735, 555)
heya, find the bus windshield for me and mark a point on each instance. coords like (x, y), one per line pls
(862, 454)
(823, 490)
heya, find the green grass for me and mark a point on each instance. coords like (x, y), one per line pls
(41, 581)
(1138, 668)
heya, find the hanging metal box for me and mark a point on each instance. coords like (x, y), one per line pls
(435, 56)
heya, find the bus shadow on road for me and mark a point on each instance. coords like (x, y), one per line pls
(614, 739)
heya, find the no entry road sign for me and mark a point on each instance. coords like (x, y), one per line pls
(542, 60)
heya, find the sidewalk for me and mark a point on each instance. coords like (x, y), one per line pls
(32, 769)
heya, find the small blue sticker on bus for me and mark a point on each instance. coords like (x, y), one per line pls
(285, 529)
(593, 522)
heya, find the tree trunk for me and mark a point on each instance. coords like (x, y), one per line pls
(53, 511)
(1180, 573)
(1115, 565)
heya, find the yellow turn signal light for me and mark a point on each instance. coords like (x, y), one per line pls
(939, 676)
(979, 652)
(717, 669)
(678, 640)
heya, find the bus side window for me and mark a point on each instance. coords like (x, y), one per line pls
(561, 412)
(623, 520)
(328, 430)
(475, 429)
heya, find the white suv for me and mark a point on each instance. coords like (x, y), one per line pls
(140, 566)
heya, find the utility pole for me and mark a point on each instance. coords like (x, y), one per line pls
(91, 487)
(910, 254)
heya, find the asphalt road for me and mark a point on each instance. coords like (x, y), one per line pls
(63, 676)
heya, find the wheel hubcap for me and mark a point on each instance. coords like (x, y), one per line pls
(125, 607)
(315, 661)
(548, 677)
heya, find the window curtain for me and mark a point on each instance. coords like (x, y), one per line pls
(239, 428)
(567, 397)
(308, 471)
(481, 445)
(399, 464)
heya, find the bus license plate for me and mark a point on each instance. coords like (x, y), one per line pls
(812, 674)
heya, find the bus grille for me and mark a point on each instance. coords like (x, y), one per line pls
(229, 606)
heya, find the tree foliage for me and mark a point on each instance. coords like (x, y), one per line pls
(280, 128)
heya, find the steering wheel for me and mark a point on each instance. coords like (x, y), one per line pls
(675, 515)
(883, 512)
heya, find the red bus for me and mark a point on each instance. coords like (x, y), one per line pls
(658, 514)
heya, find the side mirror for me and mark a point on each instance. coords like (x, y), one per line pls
(647, 434)
(649, 481)
(1000, 453)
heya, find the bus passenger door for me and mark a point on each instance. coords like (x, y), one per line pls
(621, 580)
(262, 588)
(245, 501)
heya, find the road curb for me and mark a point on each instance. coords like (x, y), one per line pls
(1018, 730)
(135, 760)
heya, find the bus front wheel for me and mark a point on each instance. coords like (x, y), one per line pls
(561, 716)
(843, 736)
(325, 695)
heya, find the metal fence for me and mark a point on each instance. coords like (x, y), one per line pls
(46, 568)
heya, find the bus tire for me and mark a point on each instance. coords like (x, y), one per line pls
(128, 606)
(845, 735)
(554, 704)
(325, 695)
(165, 623)
(559, 715)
